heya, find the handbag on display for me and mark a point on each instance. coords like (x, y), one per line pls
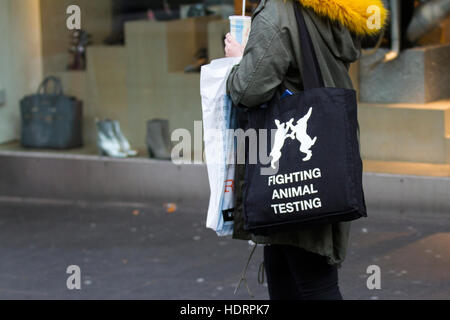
(314, 174)
(51, 119)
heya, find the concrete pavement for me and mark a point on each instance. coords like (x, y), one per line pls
(140, 251)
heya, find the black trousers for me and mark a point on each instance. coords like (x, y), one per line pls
(297, 274)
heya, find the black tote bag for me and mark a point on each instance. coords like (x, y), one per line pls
(51, 119)
(313, 142)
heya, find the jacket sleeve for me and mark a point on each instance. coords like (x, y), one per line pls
(263, 67)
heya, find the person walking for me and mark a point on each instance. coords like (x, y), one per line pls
(300, 264)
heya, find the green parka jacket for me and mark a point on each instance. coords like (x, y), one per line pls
(271, 62)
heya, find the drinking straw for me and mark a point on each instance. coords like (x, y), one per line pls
(243, 8)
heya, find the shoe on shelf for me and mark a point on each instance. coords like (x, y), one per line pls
(158, 139)
(124, 143)
(107, 142)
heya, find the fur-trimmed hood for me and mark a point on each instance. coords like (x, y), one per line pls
(356, 15)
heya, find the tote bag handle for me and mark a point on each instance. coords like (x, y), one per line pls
(57, 86)
(310, 70)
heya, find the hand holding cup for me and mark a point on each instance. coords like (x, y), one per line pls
(232, 47)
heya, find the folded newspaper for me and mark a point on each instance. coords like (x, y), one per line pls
(219, 122)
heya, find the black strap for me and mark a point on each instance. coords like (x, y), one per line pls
(310, 70)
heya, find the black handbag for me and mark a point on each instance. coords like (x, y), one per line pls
(51, 120)
(317, 168)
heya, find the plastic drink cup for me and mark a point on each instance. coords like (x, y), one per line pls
(240, 27)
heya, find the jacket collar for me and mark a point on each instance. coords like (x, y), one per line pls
(353, 14)
(356, 15)
(260, 7)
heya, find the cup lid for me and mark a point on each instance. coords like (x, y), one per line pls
(240, 17)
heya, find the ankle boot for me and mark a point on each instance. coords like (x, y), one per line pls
(158, 139)
(124, 144)
(107, 143)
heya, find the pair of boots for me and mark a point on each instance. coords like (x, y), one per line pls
(111, 141)
(158, 139)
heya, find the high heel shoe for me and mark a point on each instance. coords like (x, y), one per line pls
(107, 143)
